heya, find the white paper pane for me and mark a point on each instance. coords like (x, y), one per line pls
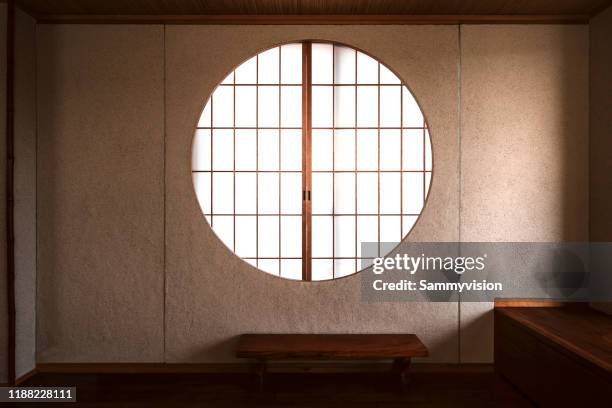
(247, 72)
(344, 236)
(322, 236)
(388, 77)
(291, 193)
(322, 62)
(428, 153)
(344, 108)
(322, 193)
(246, 193)
(427, 182)
(268, 149)
(268, 193)
(367, 193)
(268, 106)
(268, 236)
(367, 106)
(390, 106)
(367, 69)
(412, 116)
(390, 193)
(390, 229)
(412, 192)
(367, 232)
(344, 193)
(246, 236)
(223, 106)
(367, 149)
(408, 222)
(291, 236)
(322, 106)
(201, 183)
(291, 64)
(268, 67)
(246, 149)
(322, 150)
(200, 151)
(223, 193)
(224, 228)
(291, 150)
(344, 65)
(246, 98)
(291, 106)
(270, 266)
(412, 149)
(223, 149)
(252, 262)
(344, 150)
(205, 119)
(344, 267)
(390, 149)
(229, 79)
(322, 269)
(291, 269)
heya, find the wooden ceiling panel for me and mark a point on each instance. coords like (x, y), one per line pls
(310, 7)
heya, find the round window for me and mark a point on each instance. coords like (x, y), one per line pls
(307, 156)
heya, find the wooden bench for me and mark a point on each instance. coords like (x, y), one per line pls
(397, 347)
(557, 354)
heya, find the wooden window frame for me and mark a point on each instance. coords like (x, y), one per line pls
(306, 165)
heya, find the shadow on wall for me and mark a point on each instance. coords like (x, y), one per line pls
(524, 147)
(573, 127)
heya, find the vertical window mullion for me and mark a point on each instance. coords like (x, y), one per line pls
(356, 172)
(212, 130)
(378, 171)
(306, 162)
(256, 160)
(280, 160)
(234, 161)
(333, 163)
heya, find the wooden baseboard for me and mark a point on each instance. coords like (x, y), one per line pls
(238, 368)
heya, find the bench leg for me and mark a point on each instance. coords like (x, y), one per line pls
(260, 370)
(401, 368)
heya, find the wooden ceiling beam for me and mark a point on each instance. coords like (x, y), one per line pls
(317, 19)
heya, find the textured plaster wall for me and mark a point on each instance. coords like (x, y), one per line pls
(25, 192)
(601, 131)
(100, 195)
(3, 300)
(524, 146)
(101, 183)
(212, 296)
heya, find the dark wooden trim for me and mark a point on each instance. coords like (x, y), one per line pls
(353, 19)
(26, 376)
(285, 367)
(10, 231)
(137, 368)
